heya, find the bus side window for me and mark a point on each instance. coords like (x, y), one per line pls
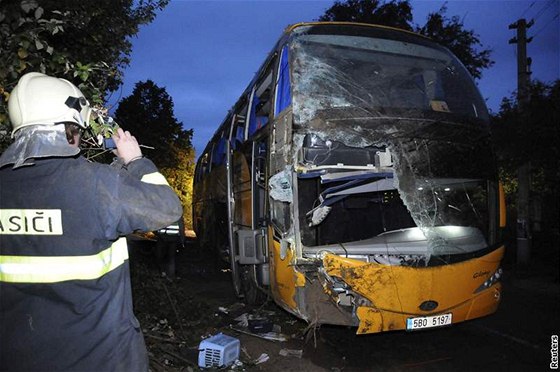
(261, 104)
(238, 135)
(283, 87)
(256, 120)
(219, 152)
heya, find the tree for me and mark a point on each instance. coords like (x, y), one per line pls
(448, 32)
(532, 134)
(181, 179)
(394, 13)
(86, 42)
(148, 114)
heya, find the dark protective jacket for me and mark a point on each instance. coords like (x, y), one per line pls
(65, 296)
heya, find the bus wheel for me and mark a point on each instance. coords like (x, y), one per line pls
(253, 295)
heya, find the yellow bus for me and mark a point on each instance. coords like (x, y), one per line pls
(354, 183)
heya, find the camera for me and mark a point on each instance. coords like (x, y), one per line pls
(109, 144)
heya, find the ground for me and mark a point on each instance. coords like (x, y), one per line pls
(177, 315)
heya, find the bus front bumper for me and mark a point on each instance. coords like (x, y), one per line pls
(386, 297)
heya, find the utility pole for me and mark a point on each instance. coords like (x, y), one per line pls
(524, 170)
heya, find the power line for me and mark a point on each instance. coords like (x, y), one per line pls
(549, 22)
(546, 6)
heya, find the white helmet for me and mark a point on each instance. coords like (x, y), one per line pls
(46, 100)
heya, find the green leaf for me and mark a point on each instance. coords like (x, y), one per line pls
(38, 44)
(84, 75)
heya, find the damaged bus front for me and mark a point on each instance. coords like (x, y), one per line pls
(382, 206)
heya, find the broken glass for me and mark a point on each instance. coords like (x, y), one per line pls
(359, 95)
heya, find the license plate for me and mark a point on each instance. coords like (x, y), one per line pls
(429, 321)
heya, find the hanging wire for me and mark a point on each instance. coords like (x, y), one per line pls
(546, 6)
(549, 22)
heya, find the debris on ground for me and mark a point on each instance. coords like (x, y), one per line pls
(177, 315)
(291, 353)
(257, 324)
(262, 358)
(218, 351)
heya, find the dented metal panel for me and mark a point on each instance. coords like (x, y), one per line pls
(396, 292)
(285, 279)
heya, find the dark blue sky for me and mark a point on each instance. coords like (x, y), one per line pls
(205, 52)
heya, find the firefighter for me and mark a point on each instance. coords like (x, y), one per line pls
(65, 295)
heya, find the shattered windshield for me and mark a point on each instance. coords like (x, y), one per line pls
(393, 153)
(371, 74)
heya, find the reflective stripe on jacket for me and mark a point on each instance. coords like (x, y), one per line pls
(33, 269)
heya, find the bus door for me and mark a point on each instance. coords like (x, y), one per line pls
(248, 214)
(239, 193)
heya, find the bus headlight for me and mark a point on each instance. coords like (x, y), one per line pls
(491, 280)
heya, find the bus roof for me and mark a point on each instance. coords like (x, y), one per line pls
(291, 28)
